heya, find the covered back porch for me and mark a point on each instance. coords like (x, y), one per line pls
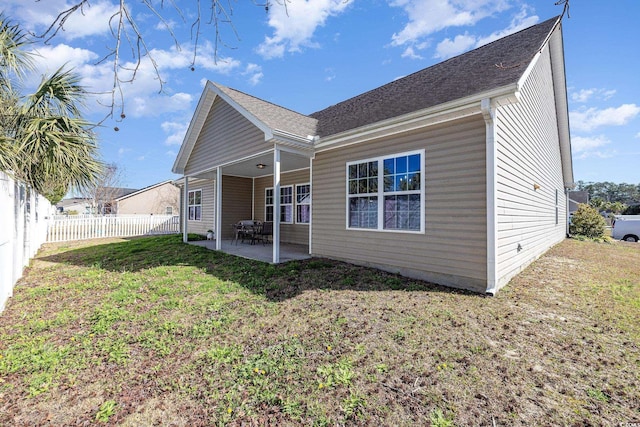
(246, 190)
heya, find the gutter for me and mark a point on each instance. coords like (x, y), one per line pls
(436, 114)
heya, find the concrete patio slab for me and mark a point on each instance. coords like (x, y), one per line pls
(258, 251)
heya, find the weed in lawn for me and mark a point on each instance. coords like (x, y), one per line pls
(104, 317)
(599, 395)
(438, 419)
(354, 405)
(106, 411)
(339, 373)
(226, 354)
(292, 408)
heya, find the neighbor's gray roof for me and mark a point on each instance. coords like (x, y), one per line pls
(491, 66)
(274, 116)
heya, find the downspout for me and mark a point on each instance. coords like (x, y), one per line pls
(488, 113)
(311, 205)
(185, 210)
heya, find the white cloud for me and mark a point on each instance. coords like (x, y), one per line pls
(464, 42)
(330, 74)
(586, 147)
(586, 120)
(176, 132)
(429, 16)
(580, 144)
(410, 53)
(254, 71)
(584, 95)
(156, 105)
(91, 19)
(448, 48)
(295, 24)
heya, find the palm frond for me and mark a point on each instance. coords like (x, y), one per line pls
(14, 58)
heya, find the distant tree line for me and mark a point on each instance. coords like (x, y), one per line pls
(609, 196)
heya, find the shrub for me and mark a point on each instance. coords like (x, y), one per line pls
(587, 222)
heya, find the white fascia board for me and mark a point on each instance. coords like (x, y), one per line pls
(293, 143)
(448, 111)
(562, 105)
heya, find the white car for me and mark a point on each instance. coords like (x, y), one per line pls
(626, 228)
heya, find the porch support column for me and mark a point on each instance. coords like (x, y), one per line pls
(219, 208)
(185, 210)
(276, 204)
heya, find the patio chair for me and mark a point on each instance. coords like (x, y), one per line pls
(265, 231)
(246, 229)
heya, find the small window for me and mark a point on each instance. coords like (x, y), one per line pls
(286, 204)
(169, 210)
(195, 205)
(303, 203)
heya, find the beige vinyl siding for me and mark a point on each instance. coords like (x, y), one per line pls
(152, 201)
(236, 202)
(226, 136)
(452, 251)
(528, 154)
(208, 205)
(289, 233)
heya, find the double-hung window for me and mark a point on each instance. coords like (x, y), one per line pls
(303, 203)
(286, 204)
(386, 193)
(195, 205)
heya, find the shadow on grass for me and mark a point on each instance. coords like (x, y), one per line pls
(276, 282)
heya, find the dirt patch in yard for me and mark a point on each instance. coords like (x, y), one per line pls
(154, 332)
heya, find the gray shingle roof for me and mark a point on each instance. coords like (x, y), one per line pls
(274, 116)
(494, 65)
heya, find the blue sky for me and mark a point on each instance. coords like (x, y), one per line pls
(319, 52)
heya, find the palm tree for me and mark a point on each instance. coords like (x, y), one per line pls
(44, 140)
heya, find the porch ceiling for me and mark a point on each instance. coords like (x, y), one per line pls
(247, 168)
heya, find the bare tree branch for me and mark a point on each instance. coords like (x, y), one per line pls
(127, 35)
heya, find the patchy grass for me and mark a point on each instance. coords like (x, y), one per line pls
(151, 331)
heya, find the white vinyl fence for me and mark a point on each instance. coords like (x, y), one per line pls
(80, 227)
(23, 229)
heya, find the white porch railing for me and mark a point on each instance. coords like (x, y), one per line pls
(65, 228)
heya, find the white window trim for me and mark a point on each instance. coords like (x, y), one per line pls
(189, 206)
(295, 209)
(281, 204)
(380, 194)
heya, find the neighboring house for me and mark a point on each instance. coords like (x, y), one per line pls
(78, 205)
(158, 199)
(455, 174)
(576, 198)
(105, 199)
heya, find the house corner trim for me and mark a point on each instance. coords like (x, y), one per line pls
(488, 113)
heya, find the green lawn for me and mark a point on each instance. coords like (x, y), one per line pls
(151, 331)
